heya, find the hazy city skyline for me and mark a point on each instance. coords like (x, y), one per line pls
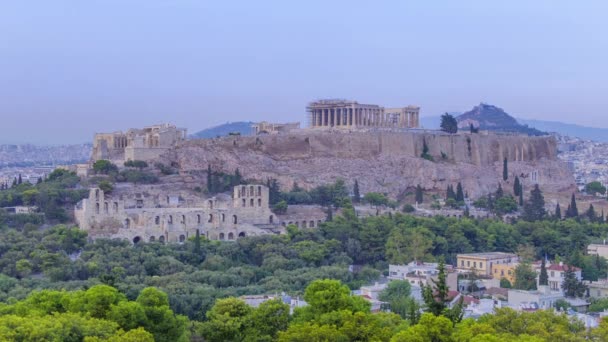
(71, 68)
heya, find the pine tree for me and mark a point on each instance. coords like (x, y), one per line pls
(449, 124)
(534, 208)
(459, 193)
(39, 180)
(558, 212)
(19, 180)
(419, 194)
(238, 178)
(543, 278)
(505, 170)
(571, 285)
(14, 182)
(436, 297)
(516, 187)
(356, 193)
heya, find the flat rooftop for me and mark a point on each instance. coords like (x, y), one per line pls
(488, 255)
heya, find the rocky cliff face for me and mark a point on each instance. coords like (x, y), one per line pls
(381, 161)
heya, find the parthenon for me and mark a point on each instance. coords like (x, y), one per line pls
(351, 114)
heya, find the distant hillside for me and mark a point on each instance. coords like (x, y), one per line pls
(492, 118)
(572, 130)
(242, 127)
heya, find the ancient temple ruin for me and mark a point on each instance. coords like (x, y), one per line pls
(340, 113)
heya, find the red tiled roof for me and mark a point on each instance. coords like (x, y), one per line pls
(562, 268)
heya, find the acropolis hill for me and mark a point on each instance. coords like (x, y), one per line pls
(381, 160)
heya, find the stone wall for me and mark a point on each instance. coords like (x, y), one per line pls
(383, 161)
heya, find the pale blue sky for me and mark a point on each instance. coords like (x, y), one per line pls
(70, 68)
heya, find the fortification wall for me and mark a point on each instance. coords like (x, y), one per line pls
(382, 161)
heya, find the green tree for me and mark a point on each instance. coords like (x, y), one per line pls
(105, 186)
(525, 277)
(425, 151)
(505, 283)
(375, 198)
(558, 212)
(543, 278)
(436, 298)
(268, 319)
(534, 208)
(227, 320)
(571, 285)
(505, 205)
(280, 207)
(104, 167)
(449, 123)
(505, 170)
(595, 187)
(590, 213)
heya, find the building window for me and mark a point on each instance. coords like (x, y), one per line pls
(157, 220)
(96, 208)
(234, 219)
(468, 263)
(152, 239)
(170, 219)
(198, 218)
(474, 264)
(115, 207)
(161, 239)
(105, 208)
(182, 238)
(244, 203)
(221, 236)
(251, 203)
(259, 191)
(251, 193)
(210, 204)
(461, 263)
(230, 236)
(311, 224)
(271, 219)
(259, 202)
(183, 219)
(210, 218)
(481, 265)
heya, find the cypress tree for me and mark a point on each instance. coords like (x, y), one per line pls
(573, 211)
(450, 193)
(419, 194)
(558, 212)
(39, 180)
(19, 180)
(591, 213)
(459, 193)
(15, 181)
(356, 193)
(534, 208)
(499, 192)
(516, 187)
(197, 243)
(521, 197)
(543, 278)
(505, 170)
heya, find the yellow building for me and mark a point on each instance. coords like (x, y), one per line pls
(506, 271)
(482, 263)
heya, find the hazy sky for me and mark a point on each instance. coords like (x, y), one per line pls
(72, 68)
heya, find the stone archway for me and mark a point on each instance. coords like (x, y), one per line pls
(242, 234)
(136, 239)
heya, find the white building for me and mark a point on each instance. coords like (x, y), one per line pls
(598, 249)
(556, 273)
(541, 299)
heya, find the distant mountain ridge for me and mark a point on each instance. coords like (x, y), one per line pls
(492, 118)
(242, 127)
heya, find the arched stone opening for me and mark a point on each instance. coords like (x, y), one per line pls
(152, 239)
(311, 224)
(271, 219)
(182, 238)
(230, 236)
(136, 239)
(198, 218)
(223, 217)
(259, 202)
(243, 203)
(242, 234)
(234, 219)
(222, 236)
(251, 203)
(161, 239)
(157, 220)
(210, 219)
